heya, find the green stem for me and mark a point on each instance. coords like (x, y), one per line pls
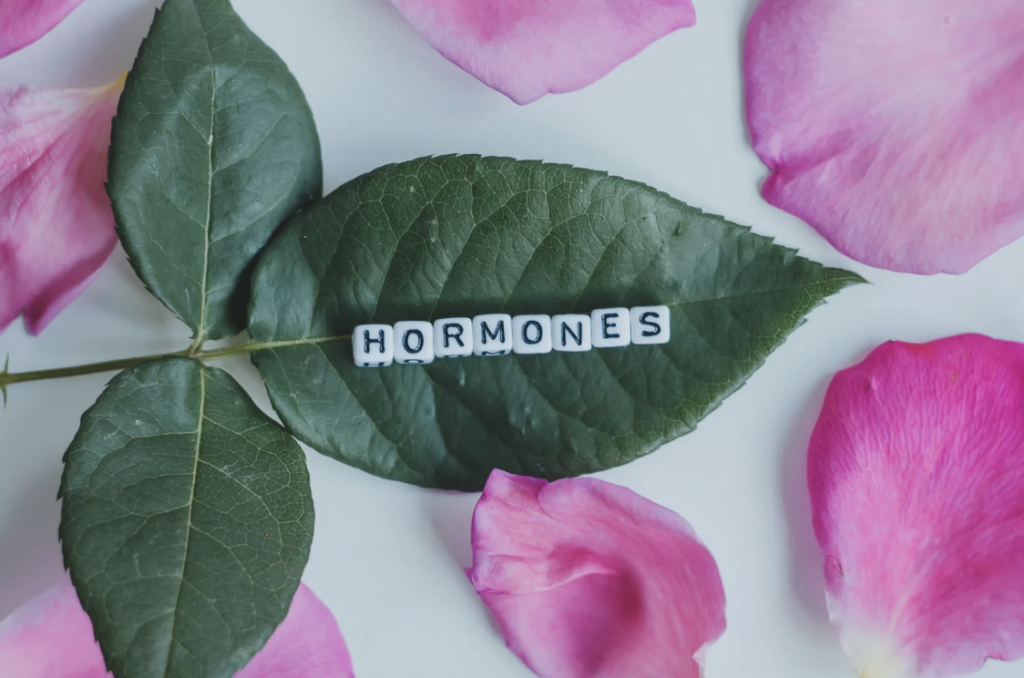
(8, 378)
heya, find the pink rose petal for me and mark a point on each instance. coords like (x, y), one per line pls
(22, 22)
(916, 472)
(51, 637)
(590, 580)
(527, 48)
(56, 224)
(893, 128)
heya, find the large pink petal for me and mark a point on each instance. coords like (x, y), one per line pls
(527, 48)
(51, 637)
(893, 127)
(590, 580)
(916, 472)
(22, 22)
(56, 224)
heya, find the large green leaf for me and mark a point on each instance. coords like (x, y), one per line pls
(458, 236)
(213, 147)
(186, 523)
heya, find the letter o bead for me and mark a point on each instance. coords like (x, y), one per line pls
(373, 345)
(531, 334)
(414, 342)
(650, 325)
(453, 337)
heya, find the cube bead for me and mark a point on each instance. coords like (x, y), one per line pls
(531, 334)
(492, 334)
(650, 325)
(610, 327)
(453, 337)
(373, 345)
(571, 333)
(414, 342)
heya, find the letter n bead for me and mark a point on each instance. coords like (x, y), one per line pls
(650, 325)
(373, 345)
(453, 337)
(531, 334)
(492, 334)
(610, 327)
(571, 333)
(414, 342)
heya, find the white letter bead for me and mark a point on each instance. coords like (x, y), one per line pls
(414, 342)
(492, 334)
(610, 327)
(531, 334)
(650, 324)
(571, 333)
(453, 337)
(373, 345)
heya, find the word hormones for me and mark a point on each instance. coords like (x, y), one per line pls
(413, 342)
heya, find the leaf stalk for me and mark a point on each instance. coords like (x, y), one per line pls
(8, 378)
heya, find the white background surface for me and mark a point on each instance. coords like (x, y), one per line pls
(388, 558)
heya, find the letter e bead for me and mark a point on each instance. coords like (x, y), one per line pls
(453, 337)
(414, 342)
(571, 333)
(610, 327)
(650, 325)
(373, 345)
(531, 334)
(492, 334)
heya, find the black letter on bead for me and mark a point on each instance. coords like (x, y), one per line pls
(499, 331)
(457, 336)
(419, 344)
(577, 336)
(367, 341)
(540, 332)
(605, 326)
(645, 320)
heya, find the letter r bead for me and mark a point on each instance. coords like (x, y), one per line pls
(373, 345)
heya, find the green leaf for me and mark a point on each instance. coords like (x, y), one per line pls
(459, 236)
(213, 147)
(186, 522)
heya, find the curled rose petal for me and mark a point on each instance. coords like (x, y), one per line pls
(51, 637)
(590, 580)
(56, 224)
(893, 128)
(528, 48)
(916, 473)
(22, 22)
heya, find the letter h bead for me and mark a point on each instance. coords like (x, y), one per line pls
(373, 345)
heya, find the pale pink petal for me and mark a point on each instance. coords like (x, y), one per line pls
(527, 48)
(590, 580)
(56, 224)
(893, 127)
(916, 473)
(51, 637)
(22, 22)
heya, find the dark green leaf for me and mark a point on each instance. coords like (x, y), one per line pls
(213, 147)
(459, 236)
(186, 523)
